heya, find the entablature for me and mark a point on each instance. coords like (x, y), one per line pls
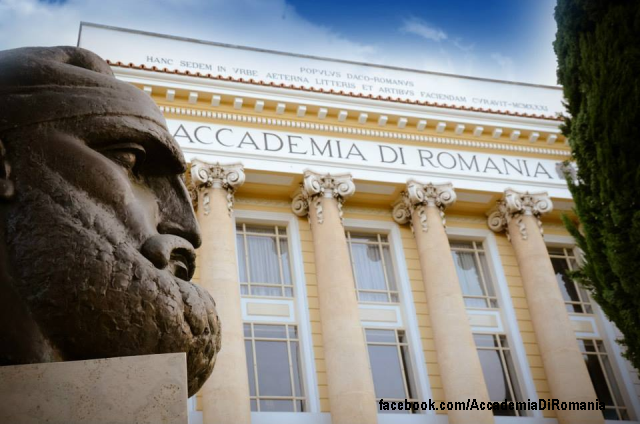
(194, 96)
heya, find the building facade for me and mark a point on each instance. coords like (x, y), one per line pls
(375, 235)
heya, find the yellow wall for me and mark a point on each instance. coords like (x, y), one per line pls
(409, 248)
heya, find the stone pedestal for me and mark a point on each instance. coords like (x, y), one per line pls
(134, 389)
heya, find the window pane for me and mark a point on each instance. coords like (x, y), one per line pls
(258, 290)
(254, 405)
(469, 278)
(612, 379)
(598, 379)
(269, 331)
(252, 380)
(261, 229)
(295, 366)
(273, 370)
(380, 336)
(387, 372)
(585, 298)
(293, 332)
(273, 405)
(485, 340)
(511, 369)
(494, 375)
(559, 251)
(610, 414)
(364, 296)
(567, 286)
(368, 267)
(284, 255)
(408, 369)
(263, 260)
(586, 345)
(503, 341)
(457, 244)
(486, 274)
(242, 264)
(389, 264)
(364, 238)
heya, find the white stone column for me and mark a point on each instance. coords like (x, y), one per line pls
(350, 383)
(225, 396)
(567, 375)
(423, 206)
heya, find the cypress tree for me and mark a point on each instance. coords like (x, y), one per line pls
(598, 49)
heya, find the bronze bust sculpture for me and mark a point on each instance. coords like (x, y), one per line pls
(97, 231)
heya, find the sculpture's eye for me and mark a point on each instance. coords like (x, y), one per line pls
(129, 156)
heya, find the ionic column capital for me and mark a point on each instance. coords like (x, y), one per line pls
(315, 186)
(206, 175)
(515, 205)
(418, 196)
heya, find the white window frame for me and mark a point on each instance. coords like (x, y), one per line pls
(301, 302)
(507, 313)
(379, 245)
(407, 311)
(607, 333)
(277, 237)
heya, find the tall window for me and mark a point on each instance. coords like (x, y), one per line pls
(498, 370)
(273, 361)
(604, 382)
(575, 297)
(391, 365)
(263, 261)
(372, 267)
(473, 274)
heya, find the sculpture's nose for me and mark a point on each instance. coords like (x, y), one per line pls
(172, 252)
(176, 213)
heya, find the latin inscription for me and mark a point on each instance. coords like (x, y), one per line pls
(375, 85)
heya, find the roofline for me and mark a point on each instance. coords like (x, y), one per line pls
(321, 58)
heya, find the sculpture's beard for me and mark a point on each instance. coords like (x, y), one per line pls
(91, 291)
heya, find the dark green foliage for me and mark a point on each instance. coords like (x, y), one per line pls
(598, 49)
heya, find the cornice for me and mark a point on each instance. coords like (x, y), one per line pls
(331, 91)
(328, 128)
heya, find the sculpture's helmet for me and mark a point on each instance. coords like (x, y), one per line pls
(46, 84)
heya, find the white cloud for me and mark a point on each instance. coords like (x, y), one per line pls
(464, 47)
(421, 28)
(271, 24)
(502, 60)
(505, 63)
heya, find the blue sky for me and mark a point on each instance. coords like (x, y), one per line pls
(503, 39)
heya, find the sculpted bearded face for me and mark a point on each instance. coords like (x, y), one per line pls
(98, 232)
